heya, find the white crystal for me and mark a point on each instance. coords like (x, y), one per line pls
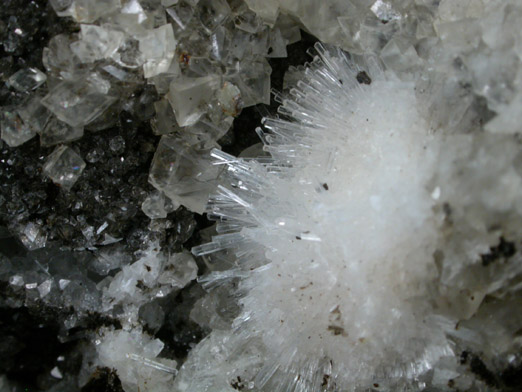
(180, 269)
(156, 205)
(16, 280)
(56, 373)
(134, 356)
(45, 288)
(88, 11)
(96, 43)
(229, 99)
(157, 47)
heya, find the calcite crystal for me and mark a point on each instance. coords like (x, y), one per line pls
(64, 166)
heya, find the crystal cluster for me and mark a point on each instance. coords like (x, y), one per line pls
(122, 45)
(371, 241)
(308, 239)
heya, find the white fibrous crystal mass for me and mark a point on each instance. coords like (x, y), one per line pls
(349, 263)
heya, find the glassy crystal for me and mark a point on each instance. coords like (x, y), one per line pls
(57, 132)
(34, 114)
(88, 11)
(181, 14)
(58, 58)
(133, 7)
(266, 9)
(229, 99)
(163, 80)
(156, 205)
(253, 82)
(64, 166)
(384, 11)
(164, 122)
(27, 79)
(180, 269)
(81, 101)
(157, 47)
(62, 7)
(213, 13)
(96, 43)
(248, 21)
(185, 174)
(33, 236)
(14, 131)
(188, 96)
(276, 44)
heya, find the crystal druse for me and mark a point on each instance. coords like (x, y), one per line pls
(369, 241)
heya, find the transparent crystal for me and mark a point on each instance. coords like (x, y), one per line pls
(58, 58)
(229, 99)
(181, 14)
(81, 101)
(180, 269)
(64, 166)
(163, 80)
(384, 11)
(34, 114)
(253, 81)
(33, 236)
(88, 11)
(45, 288)
(57, 132)
(133, 7)
(248, 21)
(14, 131)
(157, 47)
(266, 9)
(213, 13)
(400, 56)
(276, 44)
(27, 79)
(184, 173)
(62, 7)
(164, 122)
(96, 43)
(154, 206)
(189, 95)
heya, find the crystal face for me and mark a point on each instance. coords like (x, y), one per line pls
(79, 102)
(14, 131)
(158, 46)
(64, 167)
(57, 132)
(185, 174)
(96, 43)
(27, 79)
(189, 95)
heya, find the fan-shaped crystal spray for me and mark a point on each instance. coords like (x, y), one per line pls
(332, 241)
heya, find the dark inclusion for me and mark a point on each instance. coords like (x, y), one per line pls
(363, 78)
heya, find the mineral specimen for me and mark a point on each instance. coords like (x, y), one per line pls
(371, 241)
